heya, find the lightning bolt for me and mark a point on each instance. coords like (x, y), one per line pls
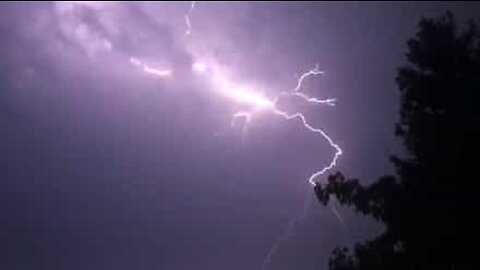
(261, 104)
(338, 152)
(258, 104)
(330, 101)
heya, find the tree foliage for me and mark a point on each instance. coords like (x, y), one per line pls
(430, 207)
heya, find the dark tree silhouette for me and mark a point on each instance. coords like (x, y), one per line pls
(430, 209)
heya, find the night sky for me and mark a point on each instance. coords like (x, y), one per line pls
(105, 166)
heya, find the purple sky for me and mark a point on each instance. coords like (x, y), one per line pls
(107, 167)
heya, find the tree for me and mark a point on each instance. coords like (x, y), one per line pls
(430, 208)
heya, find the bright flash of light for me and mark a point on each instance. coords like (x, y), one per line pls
(245, 95)
(240, 93)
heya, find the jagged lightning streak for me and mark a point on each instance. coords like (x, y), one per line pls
(263, 103)
(338, 150)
